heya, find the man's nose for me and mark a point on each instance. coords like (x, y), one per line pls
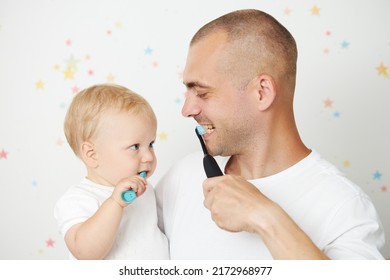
(190, 107)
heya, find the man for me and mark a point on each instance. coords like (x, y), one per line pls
(278, 199)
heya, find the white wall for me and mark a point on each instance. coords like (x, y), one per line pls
(143, 45)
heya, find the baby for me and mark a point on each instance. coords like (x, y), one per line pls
(112, 130)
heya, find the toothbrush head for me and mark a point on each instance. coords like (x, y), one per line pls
(198, 133)
(200, 129)
(142, 174)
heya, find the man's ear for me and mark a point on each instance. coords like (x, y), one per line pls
(88, 154)
(266, 91)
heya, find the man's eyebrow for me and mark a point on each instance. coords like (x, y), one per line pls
(194, 84)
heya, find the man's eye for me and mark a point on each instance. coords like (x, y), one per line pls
(202, 94)
(135, 147)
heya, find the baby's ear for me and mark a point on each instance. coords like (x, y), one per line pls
(88, 154)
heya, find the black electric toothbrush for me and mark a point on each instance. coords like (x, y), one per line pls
(210, 165)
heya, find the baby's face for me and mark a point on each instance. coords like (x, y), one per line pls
(124, 146)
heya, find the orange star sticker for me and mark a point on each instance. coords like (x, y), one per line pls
(315, 10)
(110, 78)
(328, 103)
(382, 70)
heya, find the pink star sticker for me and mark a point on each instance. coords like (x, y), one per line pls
(75, 89)
(50, 243)
(328, 103)
(3, 154)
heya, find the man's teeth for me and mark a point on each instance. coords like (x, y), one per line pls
(208, 127)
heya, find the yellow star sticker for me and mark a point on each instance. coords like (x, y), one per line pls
(163, 136)
(315, 10)
(40, 84)
(68, 73)
(110, 78)
(382, 70)
(118, 24)
(346, 163)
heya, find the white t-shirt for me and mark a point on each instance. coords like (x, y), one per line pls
(138, 235)
(338, 217)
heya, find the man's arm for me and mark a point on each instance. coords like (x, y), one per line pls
(236, 205)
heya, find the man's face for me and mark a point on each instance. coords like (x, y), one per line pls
(213, 99)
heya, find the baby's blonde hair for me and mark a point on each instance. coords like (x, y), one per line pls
(88, 106)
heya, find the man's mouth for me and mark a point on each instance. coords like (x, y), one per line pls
(209, 128)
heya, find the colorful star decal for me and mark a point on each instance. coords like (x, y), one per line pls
(39, 84)
(50, 242)
(336, 114)
(315, 11)
(163, 136)
(377, 175)
(384, 188)
(75, 90)
(3, 154)
(69, 73)
(71, 62)
(34, 184)
(68, 42)
(328, 103)
(148, 51)
(286, 11)
(346, 163)
(382, 70)
(345, 44)
(110, 78)
(60, 142)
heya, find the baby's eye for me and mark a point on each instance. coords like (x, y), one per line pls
(151, 145)
(134, 147)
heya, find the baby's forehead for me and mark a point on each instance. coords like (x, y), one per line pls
(111, 115)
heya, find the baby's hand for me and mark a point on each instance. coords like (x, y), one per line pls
(136, 183)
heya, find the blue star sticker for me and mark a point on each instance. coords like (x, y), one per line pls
(344, 44)
(377, 175)
(148, 51)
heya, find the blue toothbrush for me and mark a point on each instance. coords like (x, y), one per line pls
(130, 195)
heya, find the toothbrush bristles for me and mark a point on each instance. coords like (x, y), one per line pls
(201, 130)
